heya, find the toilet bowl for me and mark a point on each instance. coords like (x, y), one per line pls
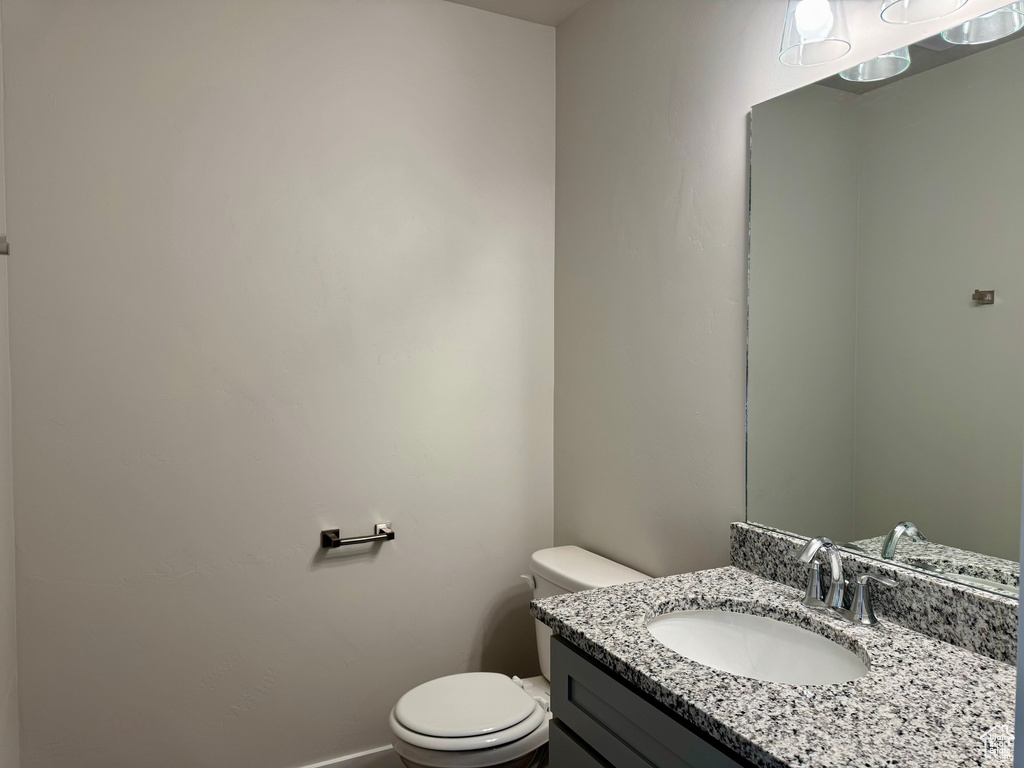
(487, 720)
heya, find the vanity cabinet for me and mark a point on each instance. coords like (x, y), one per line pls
(601, 721)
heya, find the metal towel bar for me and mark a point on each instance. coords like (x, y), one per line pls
(331, 539)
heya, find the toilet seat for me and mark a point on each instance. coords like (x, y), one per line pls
(469, 743)
(459, 713)
(477, 758)
(465, 706)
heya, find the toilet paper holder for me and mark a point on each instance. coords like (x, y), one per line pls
(331, 538)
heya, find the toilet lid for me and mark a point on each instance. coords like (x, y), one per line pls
(470, 704)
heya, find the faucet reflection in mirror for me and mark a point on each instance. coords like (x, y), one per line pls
(907, 529)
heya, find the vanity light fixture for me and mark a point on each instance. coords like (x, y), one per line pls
(988, 27)
(914, 11)
(815, 32)
(879, 68)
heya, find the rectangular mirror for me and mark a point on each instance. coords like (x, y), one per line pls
(886, 381)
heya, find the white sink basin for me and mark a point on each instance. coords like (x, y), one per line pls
(756, 647)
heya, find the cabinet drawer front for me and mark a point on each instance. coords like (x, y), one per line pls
(620, 724)
(566, 752)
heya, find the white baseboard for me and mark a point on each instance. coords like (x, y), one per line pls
(381, 757)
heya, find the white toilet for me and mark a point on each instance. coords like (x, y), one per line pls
(486, 720)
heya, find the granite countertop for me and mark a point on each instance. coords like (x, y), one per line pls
(922, 703)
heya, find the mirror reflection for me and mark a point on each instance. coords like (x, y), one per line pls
(886, 313)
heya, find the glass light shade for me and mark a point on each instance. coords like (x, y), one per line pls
(879, 68)
(988, 27)
(815, 32)
(914, 11)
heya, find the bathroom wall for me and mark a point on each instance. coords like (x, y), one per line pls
(937, 222)
(282, 265)
(9, 743)
(803, 268)
(650, 276)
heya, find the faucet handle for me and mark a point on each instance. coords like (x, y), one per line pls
(885, 581)
(862, 610)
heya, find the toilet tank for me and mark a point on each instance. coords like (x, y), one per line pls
(561, 570)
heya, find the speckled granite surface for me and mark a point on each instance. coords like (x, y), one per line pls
(923, 703)
(951, 560)
(975, 619)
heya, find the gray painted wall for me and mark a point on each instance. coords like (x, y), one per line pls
(9, 741)
(9, 746)
(282, 266)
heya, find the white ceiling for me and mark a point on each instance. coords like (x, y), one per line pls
(550, 12)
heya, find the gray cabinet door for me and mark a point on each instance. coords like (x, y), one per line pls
(566, 751)
(623, 726)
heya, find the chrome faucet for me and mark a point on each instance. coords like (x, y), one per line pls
(809, 557)
(861, 610)
(899, 530)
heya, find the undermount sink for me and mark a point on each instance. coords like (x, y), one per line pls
(756, 647)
